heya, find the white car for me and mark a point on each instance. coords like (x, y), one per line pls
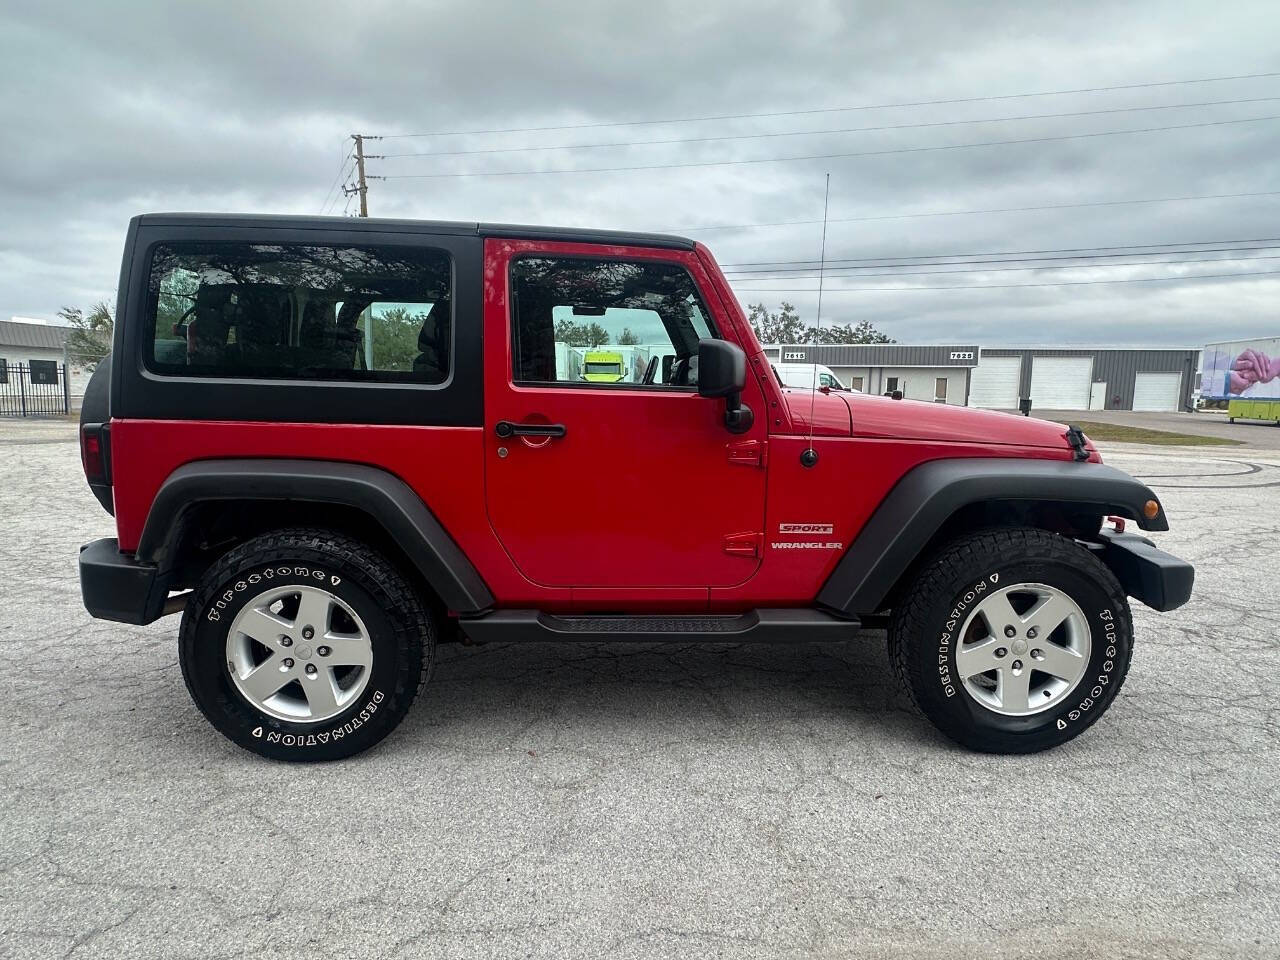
(801, 376)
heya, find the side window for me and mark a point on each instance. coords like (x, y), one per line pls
(602, 322)
(300, 311)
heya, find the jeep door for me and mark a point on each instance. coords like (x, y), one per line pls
(628, 484)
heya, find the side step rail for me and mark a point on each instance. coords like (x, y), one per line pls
(802, 625)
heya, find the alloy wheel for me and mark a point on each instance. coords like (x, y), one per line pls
(299, 653)
(1023, 649)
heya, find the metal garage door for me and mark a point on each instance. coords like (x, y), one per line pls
(1157, 391)
(1061, 383)
(995, 383)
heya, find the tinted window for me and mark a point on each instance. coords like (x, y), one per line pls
(624, 322)
(301, 311)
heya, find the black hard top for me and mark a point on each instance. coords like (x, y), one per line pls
(373, 224)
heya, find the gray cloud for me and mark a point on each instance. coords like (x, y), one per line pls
(111, 110)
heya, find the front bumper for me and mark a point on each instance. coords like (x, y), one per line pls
(1147, 573)
(117, 587)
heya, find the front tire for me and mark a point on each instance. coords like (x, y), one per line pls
(1012, 640)
(305, 645)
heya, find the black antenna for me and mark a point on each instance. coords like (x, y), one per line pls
(810, 456)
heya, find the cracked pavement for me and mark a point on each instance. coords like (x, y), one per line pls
(643, 800)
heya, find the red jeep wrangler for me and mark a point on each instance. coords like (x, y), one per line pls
(329, 442)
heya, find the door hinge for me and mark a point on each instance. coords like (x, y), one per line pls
(748, 453)
(743, 544)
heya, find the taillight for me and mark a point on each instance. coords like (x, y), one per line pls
(93, 453)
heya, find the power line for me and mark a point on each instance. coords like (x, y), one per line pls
(1068, 266)
(1009, 286)
(341, 191)
(966, 213)
(341, 168)
(821, 156)
(813, 133)
(1009, 253)
(797, 113)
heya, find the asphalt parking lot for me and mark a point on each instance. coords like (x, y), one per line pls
(579, 801)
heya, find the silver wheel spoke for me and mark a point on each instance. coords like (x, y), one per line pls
(975, 658)
(1058, 661)
(1048, 614)
(263, 625)
(1014, 689)
(999, 613)
(313, 611)
(265, 679)
(348, 651)
(322, 693)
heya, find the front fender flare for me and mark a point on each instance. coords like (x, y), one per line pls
(926, 496)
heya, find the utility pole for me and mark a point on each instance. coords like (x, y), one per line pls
(361, 187)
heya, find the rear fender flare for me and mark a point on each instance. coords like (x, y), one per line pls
(384, 497)
(928, 495)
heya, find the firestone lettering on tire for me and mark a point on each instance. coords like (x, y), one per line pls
(266, 573)
(1103, 680)
(336, 733)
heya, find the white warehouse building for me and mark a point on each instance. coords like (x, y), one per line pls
(1053, 378)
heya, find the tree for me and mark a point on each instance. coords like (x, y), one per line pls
(581, 334)
(395, 338)
(90, 336)
(627, 338)
(782, 327)
(860, 332)
(787, 327)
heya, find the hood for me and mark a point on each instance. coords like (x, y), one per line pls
(830, 413)
(875, 416)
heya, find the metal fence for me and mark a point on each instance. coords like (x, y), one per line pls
(40, 388)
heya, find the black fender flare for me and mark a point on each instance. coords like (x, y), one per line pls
(381, 495)
(928, 495)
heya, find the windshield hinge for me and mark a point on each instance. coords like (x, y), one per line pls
(1075, 437)
(743, 544)
(748, 453)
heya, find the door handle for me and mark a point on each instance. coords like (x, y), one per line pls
(505, 429)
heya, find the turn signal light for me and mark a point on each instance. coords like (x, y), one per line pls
(1150, 509)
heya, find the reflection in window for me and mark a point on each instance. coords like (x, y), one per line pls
(606, 322)
(301, 311)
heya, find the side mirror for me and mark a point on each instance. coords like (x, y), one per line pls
(722, 372)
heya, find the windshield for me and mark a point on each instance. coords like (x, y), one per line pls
(603, 368)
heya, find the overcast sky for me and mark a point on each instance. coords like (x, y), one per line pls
(114, 109)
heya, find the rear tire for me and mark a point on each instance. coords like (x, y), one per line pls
(305, 645)
(1012, 640)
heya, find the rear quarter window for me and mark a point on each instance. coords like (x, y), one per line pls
(300, 311)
